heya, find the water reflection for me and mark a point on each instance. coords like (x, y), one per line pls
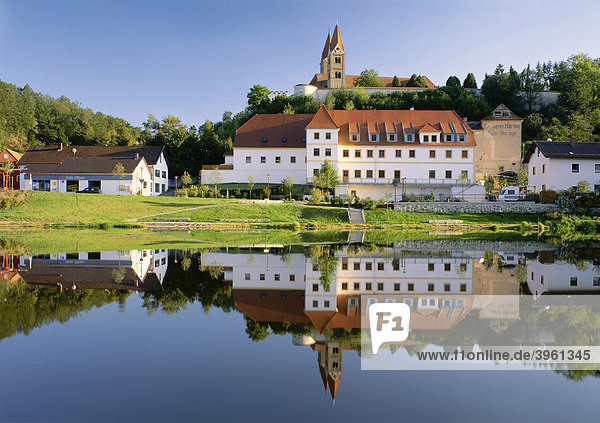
(313, 293)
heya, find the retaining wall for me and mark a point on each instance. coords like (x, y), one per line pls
(528, 207)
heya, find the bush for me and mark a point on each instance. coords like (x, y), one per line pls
(315, 196)
(548, 197)
(533, 196)
(10, 199)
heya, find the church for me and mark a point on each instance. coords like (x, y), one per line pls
(332, 73)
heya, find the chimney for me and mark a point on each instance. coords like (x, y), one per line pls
(466, 119)
(572, 141)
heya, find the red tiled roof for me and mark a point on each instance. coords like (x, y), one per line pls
(319, 80)
(322, 120)
(274, 128)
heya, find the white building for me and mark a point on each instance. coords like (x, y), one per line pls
(556, 166)
(65, 168)
(377, 153)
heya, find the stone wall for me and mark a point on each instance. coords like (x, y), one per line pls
(487, 207)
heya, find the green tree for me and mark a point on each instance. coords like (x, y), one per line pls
(396, 82)
(368, 78)
(251, 183)
(119, 172)
(532, 84)
(416, 81)
(502, 87)
(470, 81)
(522, 178)
(186, 179)
(288, 183)
(453, 81)
(327, 178)
(258, 97)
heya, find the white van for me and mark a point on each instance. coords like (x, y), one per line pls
(512, 193)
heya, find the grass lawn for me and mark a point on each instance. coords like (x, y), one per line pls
(296, 190)
(85, 209)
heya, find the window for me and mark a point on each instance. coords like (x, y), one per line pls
(344, 264)
(461, 138)
(156, 187)
(574, 167)
(369, 173)
(157, 173)
(316, 152)
(430, 267)
(396, 174)
(277, 159)
(430, 287)
(248, 159)
(356, 265)
(292, 159)
(448, 174)
(355, 137)
(464, 154)
(94, 256)
(369, 153)
(544, 169)
(392, 137)
(346, 153)
(338, 59)
(596, 168)
(264, 139)
(533, 170)
(432, 174)
(432, 154)
(164, 174)
(368, 266)
(344, 286)
(315, 303)
(497, 113)
(284, 139)
(345, 173)
(357, 153)
(368, 286)
(327, 135)
(316, 136)
(380, 286)
(262, 276)
(315, 172)
(434, 138)
(573, 282)
(409, 138)
(292, 277)
(277, 277)
(315, 287)
(398, 153)
(425, 138)
(163, 187)
(357, 173)
(463, 267)
(263, 159)
(448, 154)
(382, 173)
(446, 287)
(357, 286)
(328, 152)
(326, 304)
(382, 154)
(448, 138)
(373, 137)
(596, 281)
(338, 74)
(463, 287)
(410, 287)
(381, 266)
(303, 139)
(411, 154)
(396, 287)
(447, 267)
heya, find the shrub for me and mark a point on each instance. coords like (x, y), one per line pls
(315, 196)
(548, 197)
(9, 199)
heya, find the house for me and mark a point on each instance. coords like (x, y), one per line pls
(65, 168)
(9, 168)
(498, 137)
(556, 166)
(332, 74)
(377, 153)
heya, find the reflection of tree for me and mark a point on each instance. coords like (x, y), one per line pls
(118, 274)
(325, 261)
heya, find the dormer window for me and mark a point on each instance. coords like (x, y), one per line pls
(373, 137)
(354, 138)
(284, 139)
(317, 136)
(264, 139)
(425, 138)
(449, 138)
(461, 138)
(392, 137)
(409, 138)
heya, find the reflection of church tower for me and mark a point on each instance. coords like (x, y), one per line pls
(333, 60)
(330, 365)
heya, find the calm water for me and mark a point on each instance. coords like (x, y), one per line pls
(167, 335)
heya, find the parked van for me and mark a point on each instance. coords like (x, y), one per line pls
(512, 193)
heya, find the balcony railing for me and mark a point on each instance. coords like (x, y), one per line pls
(406, 181)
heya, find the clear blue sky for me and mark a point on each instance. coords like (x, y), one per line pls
(196, 59)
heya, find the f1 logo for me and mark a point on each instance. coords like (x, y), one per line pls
(389, 322)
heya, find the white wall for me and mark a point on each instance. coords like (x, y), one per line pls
(259, 171)
(556, 277)
(558, 175)
(163, 176)
(323, 145)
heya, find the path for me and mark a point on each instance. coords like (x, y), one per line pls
(356, 216)
(137, 219)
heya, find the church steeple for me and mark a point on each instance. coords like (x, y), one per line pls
(336, 61)
(336, 39)
(325, 54)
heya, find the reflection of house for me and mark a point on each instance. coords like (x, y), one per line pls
(10, 172)
(142, 270)
(561, 277)
(66, 168)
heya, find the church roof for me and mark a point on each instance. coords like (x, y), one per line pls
(327, 46)
(336, 39)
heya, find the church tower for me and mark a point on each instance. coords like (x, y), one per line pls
(336, 61)
(325, 54)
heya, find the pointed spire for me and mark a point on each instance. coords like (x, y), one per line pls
(327, 46)
(337, 38)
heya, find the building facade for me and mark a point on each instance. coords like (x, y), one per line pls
(377, 153)
(74, 168)
(556, 166)
(10, 170)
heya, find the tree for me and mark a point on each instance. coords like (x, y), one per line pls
(327, 178)
(453, 81)
(416, 81)
(502, 87)
(213, 177)
(288, 183)
(288, 109)
(251, 183)
(186, 179)
(470, 81)
(119, 172)
(396, 82)
(522, 178)
(258, 97)
(531, 85)
(368, 78)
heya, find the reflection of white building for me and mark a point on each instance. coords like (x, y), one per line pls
(561, 277)
(135, 269)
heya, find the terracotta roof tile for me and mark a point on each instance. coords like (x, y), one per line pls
(336, 39)
(322, 120)
(274, 128)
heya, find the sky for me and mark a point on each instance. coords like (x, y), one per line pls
(196, 59)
